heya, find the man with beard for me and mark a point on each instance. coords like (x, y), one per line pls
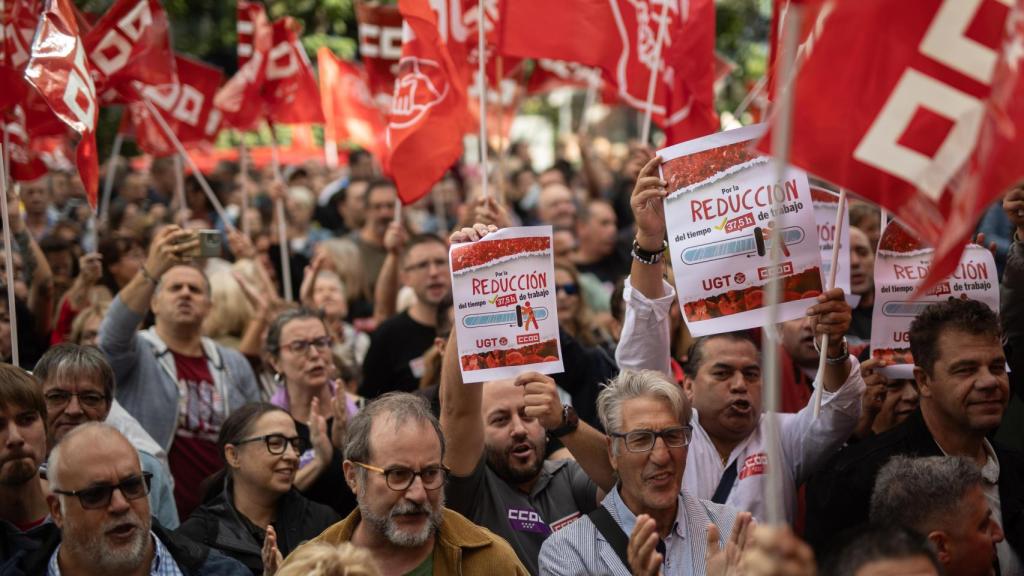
(23, 448)
(78, 387)
(960, 372)
(394, 361)
(394, 454)
(172, 364)
(99, 503)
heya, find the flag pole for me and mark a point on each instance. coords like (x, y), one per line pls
(108, 182)
(499, 72)
(593, 83)
(482, 73)
(282, 226)
(781, 136)
(8, 251)
(179, 188)
(166, 129)
(652, 82)
(243, 168)
(819, 378)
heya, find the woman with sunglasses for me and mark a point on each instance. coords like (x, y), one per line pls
(257, 512)
(574, 313)
(298, 350)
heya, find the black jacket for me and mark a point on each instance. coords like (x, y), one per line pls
(839, 497)
(218, 524)
(193, 559)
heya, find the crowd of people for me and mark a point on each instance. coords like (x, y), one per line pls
(177, 414)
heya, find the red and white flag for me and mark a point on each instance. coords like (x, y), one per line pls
(18, 20)
(626, 51)
(25, 162)
(290, 91)
(428, 114)
(349, 110)
(927, 117)
(130, 43)
(186, 106)
(59, 70)
(239, 99)
(380, 47)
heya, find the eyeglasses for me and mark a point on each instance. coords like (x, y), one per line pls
(399, 479)
(643, 440)
(302, 346)
(569, 289)
(277, 443)
(97, 497)
(441, 263)
(56, 399)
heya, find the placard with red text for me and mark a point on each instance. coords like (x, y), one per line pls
(901, 263)
(721, 225)
(504, 296)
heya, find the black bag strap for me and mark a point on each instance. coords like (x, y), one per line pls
(725, 484)
(612, 533)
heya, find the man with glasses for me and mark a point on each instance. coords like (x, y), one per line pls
(78, 387)
(99, 503)
(648, 421)
(171, 365)
(394, 361)
(394, 456)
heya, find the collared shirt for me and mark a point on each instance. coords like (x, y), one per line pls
(1009, 562)
(163, 563)
(677, 558)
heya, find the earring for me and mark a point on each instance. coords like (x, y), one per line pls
(277, 377)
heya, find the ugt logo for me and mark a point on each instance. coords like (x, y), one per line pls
(419, 86)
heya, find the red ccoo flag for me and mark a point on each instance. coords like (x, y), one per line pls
(60, 72)
(130, 43)
(349, 110)
(290, 92)
(933, 136)
(428, 114)
(380, 47)
(237, 99)
(18, 20)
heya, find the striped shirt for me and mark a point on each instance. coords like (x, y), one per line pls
(163, 563)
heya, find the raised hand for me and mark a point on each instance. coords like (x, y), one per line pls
(540, 396)
(648, 204)
(725, 561)
(644, 559)
(473, 234)
(271, 555)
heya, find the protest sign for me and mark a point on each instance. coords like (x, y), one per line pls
(504, 296)
(825, 205)
(901, 264)
(721, 225)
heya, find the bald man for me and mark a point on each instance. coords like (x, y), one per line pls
(99, 503)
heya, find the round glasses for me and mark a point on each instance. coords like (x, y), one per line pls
(96, 497)
(303, 346)
(643, 440)
(277, 443)
(399, 478)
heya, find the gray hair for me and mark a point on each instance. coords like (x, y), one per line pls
(206, 278)
(101, 428)
(921, 493)
(630, 384)
(71, 362)
(401, 408)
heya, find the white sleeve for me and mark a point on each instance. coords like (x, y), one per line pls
(808, 441)
(645, 340)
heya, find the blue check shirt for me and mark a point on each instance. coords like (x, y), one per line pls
(163, 562)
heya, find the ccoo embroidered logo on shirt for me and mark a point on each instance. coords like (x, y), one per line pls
(753, 465)
(526, 520)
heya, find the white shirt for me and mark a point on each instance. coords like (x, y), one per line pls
(806, 442)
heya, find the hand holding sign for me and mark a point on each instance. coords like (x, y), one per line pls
(648, 203)
(831, 316)
(540, 398)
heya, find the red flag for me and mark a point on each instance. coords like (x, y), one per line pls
(920, 132)
(25, 163)
(290, 92)
(380, 47)
(349, 110)
(684, 95)
(59, 71)
(237, 99)
(18, 19)
(130, 43)
(187, 106)
(428, 116)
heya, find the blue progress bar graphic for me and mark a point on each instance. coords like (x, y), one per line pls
(904, 309)
(511, 317)
(745, 246)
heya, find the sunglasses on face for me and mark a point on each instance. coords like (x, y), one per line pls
(302, 346)
(278, 443)
(569, 289)
(96, 497)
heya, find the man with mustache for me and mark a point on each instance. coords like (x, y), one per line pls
(172, 365)
(394, 454)
(960, 372)
(728, 456)
(78, 387)
(22, 450)
(98, 502)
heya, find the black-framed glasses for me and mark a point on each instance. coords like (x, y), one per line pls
(441, 263)
(302, 346)
(95, 497)
(643, 440)
(570, 289)
(399, 479)
(56, 399)
(277, 443)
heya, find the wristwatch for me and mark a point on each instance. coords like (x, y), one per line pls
(647, 257)
(570, 422)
